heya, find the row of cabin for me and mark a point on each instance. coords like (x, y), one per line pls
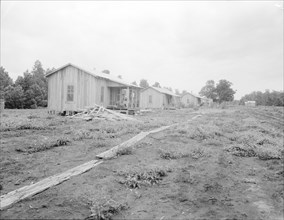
(71, 88)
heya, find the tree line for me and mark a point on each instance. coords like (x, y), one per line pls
(28, 91)
(267, 98)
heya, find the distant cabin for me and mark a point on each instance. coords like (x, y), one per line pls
(206, 101)
(250, 103)
(190, 100)
(71, 88)
(154, 97)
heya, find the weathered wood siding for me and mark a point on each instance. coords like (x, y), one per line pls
(87, 90)
(189, 100)
(157, 99)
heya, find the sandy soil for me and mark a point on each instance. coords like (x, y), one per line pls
(226, 164)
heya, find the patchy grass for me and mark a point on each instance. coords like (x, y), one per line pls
(25, 127)
(136, 179)
(106, 210)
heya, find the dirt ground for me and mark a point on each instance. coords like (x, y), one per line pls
(225, 164)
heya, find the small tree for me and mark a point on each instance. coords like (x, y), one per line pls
(25, 82)
(183, 92)
(224, 91)
(106, 71)
(168, 88)
(144, 83)
(209, 90)
(157, 84)
(177, 92)
(5, 81)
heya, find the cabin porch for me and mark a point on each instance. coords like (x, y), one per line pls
(124, 99)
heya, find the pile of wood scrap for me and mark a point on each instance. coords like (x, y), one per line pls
(100, 113)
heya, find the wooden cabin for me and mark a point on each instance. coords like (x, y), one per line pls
(190, 100)
(153, 97)
(71, 89)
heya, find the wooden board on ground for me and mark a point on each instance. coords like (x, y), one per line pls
(99, 112)
(30, 190)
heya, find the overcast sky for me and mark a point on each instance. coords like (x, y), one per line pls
(180, 44)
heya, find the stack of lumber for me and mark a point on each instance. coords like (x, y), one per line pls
(100, 113)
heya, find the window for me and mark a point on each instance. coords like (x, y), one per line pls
(150, 99)
(187, 101)
(70, 93)
(102, 93)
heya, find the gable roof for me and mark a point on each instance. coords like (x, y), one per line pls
(188, 93)
(162, 90)
(97, 75)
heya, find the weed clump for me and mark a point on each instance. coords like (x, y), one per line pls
(32, 116)
(106, 210)
(268, 154)
(201, 134)
(197, 153)
(45, 146)
(137, 179)
(169, 155)
(242, 151)
(124, 151)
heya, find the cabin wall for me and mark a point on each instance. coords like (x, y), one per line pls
(157, 99)
(55, 91)
(87, 90)
(192, 100)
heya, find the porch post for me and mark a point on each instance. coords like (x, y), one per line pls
(128, 99)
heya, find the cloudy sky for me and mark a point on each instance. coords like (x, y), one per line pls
(180, 44)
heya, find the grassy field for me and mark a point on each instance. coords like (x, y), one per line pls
(226, 164)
